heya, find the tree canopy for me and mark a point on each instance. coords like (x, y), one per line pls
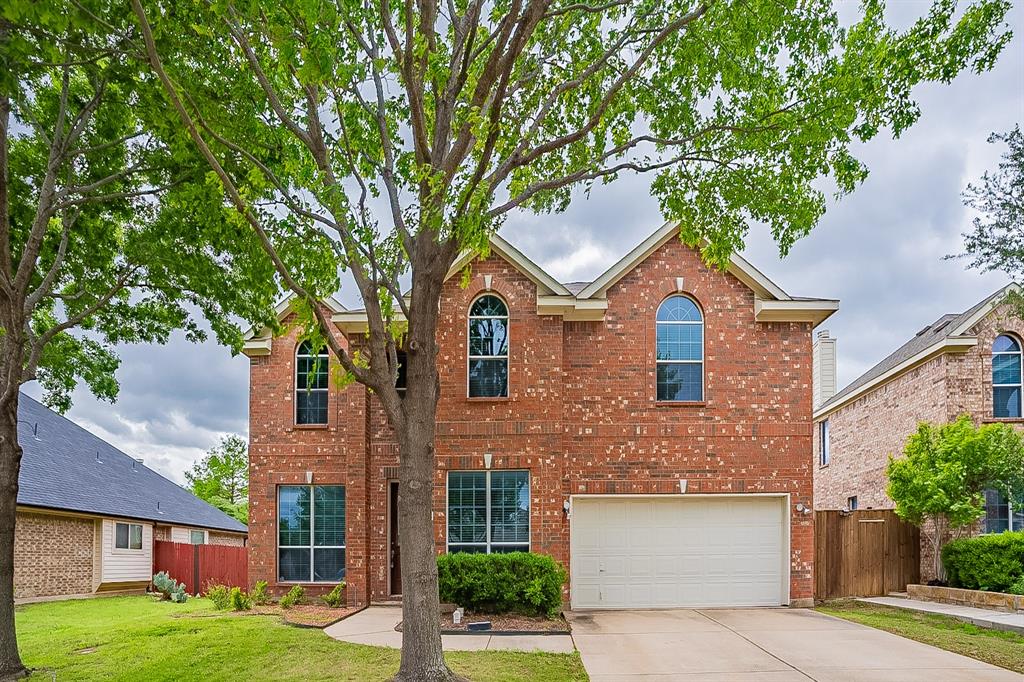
(222, 477)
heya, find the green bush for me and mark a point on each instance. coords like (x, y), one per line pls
(517, 582)
(335, 597)
(259, 594)
(220, 595)
(240, 600)
(986, 562)
(1017, 587)
(293, 597)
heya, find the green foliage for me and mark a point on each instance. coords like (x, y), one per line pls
(169, 588)
(1017, 587)
(259, 594)
(294, 596)
(987, 562)
(220, 595)
(945, 469)
(502, 583)
(240, 601)
(336, 597)
(997, 240)
(222, 477)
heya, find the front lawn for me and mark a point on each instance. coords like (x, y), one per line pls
(1005, 649)
(139, 638)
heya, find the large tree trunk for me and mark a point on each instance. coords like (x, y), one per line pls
(11, 666)
(422, 656)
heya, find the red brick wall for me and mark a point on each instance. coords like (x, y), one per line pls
(53, 555)
(865, 432)
(581, 416)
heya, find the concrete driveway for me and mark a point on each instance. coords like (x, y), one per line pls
(759, 645)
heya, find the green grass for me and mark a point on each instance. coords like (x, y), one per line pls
(139, 638)
(1005, 649)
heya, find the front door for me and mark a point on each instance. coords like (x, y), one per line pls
(395, 550)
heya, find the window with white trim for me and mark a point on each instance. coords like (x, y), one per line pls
(310, 384)
(1006, 377)
(824, 446)
(488, 348)
(197, 537)
(680, 350)
(128, 535)
(311, 533)
(1001, 513)
(488, 511)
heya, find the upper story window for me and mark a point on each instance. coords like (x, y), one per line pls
(1006, 377)
(680, 355)
(824, 447)
(488, 348)
(310, 385)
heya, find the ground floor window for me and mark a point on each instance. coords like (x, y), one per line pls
(311, 533)
(489, 511)
(128, 536)
(1001, 514)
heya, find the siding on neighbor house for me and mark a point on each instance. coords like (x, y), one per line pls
(53, 555)
(127, 565)
(581, 416)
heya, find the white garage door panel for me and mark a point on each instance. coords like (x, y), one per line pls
(662, 552)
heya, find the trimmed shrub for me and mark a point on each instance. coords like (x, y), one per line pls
(517, 582)
(293, 597)
(240, 600)
(220, 595)
(335, 597)
(986, 562)
(259, 594)
(1017, 587)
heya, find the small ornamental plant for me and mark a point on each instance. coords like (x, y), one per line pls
(169, 589)
(293, 597)
(259, 595)
(336, 597)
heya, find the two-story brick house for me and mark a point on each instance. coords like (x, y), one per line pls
(963, 363)
(650, 429)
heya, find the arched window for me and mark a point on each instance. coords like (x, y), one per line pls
(310, 384)
(488, 348)
(1006, 377)
(680, 357)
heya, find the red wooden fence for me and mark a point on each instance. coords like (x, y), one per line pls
(200, 565)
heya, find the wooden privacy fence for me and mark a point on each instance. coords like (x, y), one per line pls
(865, 553)
(200, 565)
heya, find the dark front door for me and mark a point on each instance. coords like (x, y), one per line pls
(395, 549)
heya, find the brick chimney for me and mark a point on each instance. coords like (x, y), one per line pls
(824, 367)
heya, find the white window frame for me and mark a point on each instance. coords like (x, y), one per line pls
(1020, 376)
(508, 345)
(824, 443)
(312, 534)
(326, 359)
(128, 547)
(487, 544)
(703, 349)
(191, 537)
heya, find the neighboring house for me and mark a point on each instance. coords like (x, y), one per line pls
(88, 514)
(651, 430)
(966, 363)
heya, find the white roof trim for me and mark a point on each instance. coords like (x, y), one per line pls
(516, 258)
(282, 309)
(738, 267)
(960, 344)
(993, 302)
(815, 311)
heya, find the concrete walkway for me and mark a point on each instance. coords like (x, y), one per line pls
(759, 645)
(986, 618)
(376, 626)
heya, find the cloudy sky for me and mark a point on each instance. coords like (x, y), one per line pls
(880, 251)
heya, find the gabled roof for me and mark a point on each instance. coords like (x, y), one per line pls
(516, 258)
(950, 333)
(64, 467)
(258, 341)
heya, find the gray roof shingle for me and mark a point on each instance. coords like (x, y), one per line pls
(66, 467)
(938, 330)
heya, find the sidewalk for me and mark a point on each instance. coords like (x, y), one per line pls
(997, 620)
(375, 626)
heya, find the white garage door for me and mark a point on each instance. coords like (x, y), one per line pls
(664, 552)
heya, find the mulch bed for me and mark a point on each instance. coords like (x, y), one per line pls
(305, 615)
(503, 623)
